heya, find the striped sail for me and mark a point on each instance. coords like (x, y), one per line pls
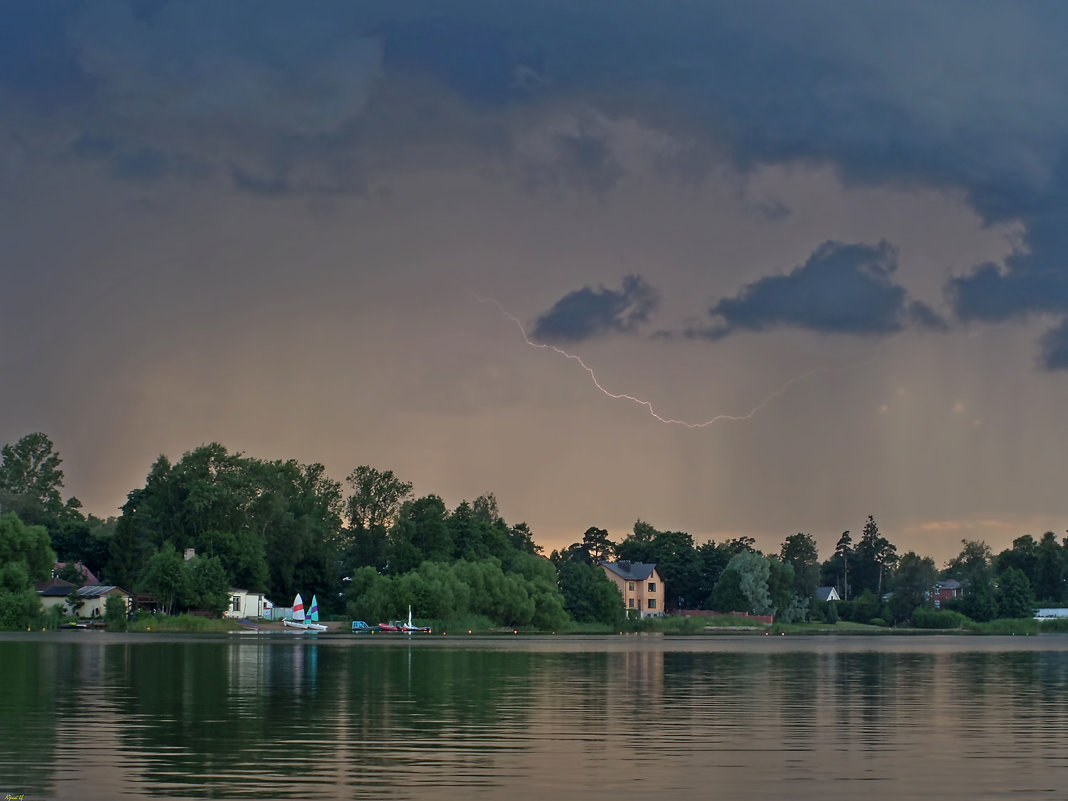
(298, 609)
(313, 612)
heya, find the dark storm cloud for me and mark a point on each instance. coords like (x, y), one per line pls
(952, 95)
(841, 289)
(587, 312)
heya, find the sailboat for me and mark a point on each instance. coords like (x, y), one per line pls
(296, 620)
(313, 623)
(410, 628)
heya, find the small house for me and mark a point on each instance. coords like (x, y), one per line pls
(945, 590)
(827, 594)
(54, 592)
(245, 604)
(96, 596)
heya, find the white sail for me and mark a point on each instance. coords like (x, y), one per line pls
(298, 609)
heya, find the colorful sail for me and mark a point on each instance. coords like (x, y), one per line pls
(298, 609)
(313, 611)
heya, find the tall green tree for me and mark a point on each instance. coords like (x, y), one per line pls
(30, 476)
(25, 558)
(1050, 570)
(843, 549)
(375, 499)
(874, 557)
(913, 579)
(799, 551)
(1015, 596)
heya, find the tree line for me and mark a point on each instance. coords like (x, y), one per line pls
(368, 547)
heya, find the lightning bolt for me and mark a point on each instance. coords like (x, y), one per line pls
(649, 406)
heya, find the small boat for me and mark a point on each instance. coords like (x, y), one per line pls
(393, 625)
(312, 623)
(78, 625)
(411, 628)
(296, 620)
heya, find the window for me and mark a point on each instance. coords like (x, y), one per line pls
(630, 602)
(236, 603)
(652, 586)
(652, 603)
(630, 586)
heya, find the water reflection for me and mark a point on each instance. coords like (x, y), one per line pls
(107, 717)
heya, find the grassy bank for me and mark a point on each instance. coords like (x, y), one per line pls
(181, 623)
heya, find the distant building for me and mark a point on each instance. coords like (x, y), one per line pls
(96, 596)
(246, 604)
(54, 592)
(945, 590)
(827, 594)
(90, 578)
(641, 585)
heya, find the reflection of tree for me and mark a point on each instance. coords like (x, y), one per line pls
(28, 711)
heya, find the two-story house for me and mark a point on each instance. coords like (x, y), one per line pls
(641, 585)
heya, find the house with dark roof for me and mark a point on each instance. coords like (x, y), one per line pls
(827, 594)
(641, 585)
(54, 592)
(946, 590)
(90, 577)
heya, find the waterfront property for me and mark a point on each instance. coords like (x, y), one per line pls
(96, 597)
(246, 604)
(56, 591)
(642, 587)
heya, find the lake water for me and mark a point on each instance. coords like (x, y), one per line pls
(90, 715)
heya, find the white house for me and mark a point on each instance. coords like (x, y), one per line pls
(827, 594)
(245, 604)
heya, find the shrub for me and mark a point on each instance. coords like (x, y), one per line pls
(923, 617)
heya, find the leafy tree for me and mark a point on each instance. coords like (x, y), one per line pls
(867, 607)
(600, 547)
(727, 594)
(589, 595)
(913, 580)
(25, 558)
(165, 575)
(206, 584)
(753, 571)
(1015, 597)
(712, 560)
(742, 545)
(376, 498)
(799, 551)
(1049, 570)
(30, 476)
(26, 544)
(1023, 555)
(873, 558)
(979, 602)
(115, 613)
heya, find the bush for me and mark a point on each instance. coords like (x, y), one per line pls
(115, 613)
(924, 617)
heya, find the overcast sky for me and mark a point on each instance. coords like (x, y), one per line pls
(807, 257)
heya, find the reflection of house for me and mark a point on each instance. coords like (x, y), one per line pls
(96, 597)
(945, 590)
(827, 594)
(246, 604)
(641, 585)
